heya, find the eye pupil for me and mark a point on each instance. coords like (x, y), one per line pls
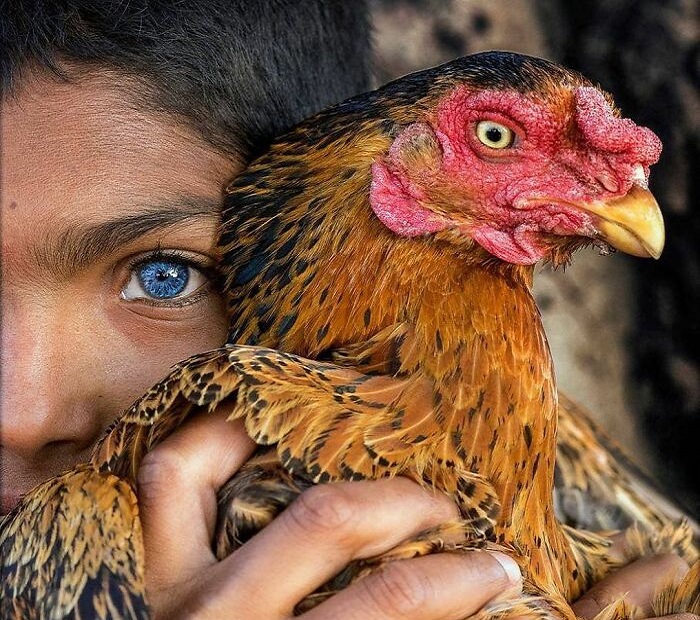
(493, 134)
(163, 279)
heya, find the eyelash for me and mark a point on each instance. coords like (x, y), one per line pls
(178, 256)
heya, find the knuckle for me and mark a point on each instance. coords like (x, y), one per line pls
(159, 470)
(398, 590)
(670, 562)
(601, 596)
(323, 510)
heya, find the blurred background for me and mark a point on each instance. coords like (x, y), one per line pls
(624, 332)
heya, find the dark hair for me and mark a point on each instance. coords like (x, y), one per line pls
(237, 71)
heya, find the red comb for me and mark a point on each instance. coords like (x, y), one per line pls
(604, 131)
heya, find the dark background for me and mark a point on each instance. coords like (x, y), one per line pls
(624, 332)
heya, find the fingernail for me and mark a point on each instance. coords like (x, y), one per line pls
(509, 565)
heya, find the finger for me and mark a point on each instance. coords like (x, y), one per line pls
(618, 550)
(177, 485)
(639, 582)
(445, 586)
(320, 533)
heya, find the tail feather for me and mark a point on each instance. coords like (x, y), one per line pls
(73, 549)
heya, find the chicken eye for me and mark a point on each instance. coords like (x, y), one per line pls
(494, 135)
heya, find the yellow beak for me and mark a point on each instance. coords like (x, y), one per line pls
(631, 224)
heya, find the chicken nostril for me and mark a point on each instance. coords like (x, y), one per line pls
(608, 181)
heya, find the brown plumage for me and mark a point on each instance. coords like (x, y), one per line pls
(378, 270)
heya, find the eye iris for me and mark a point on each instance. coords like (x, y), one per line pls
(163, 279)
(494, 134)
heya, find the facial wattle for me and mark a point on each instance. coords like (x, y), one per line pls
(524, 236)
(516, 235)
(521, 207)
(520, 246)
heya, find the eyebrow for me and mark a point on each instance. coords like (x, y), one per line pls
(76, 248)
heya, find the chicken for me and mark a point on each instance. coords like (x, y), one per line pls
(378, 264)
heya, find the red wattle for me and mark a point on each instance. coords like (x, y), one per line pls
(516, 246)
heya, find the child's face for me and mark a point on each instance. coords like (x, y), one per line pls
(108, 223)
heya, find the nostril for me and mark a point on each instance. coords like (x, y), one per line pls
(72, 446)
(40, 450)
(608, 181)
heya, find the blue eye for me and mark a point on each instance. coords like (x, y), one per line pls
(163, 279)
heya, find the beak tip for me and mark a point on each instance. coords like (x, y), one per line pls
(655, 246)
(633, 224)
(656, 255)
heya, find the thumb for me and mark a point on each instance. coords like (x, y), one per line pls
(638, 582)
(177, 486)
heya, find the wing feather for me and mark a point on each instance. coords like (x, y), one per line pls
(596, 485)
(328, 422)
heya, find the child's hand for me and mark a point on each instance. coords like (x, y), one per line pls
(326, 528)
(639, 581)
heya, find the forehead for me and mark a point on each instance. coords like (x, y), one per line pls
(82, 151)
(89, 137)
(81, 157)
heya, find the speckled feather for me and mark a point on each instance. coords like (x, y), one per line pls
(357, 353)
(58, 564)
(596, 485)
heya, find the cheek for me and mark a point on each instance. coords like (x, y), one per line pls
(149, 346)
(75, 358)
(499, 181)
(507, 182)
(72, 363)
